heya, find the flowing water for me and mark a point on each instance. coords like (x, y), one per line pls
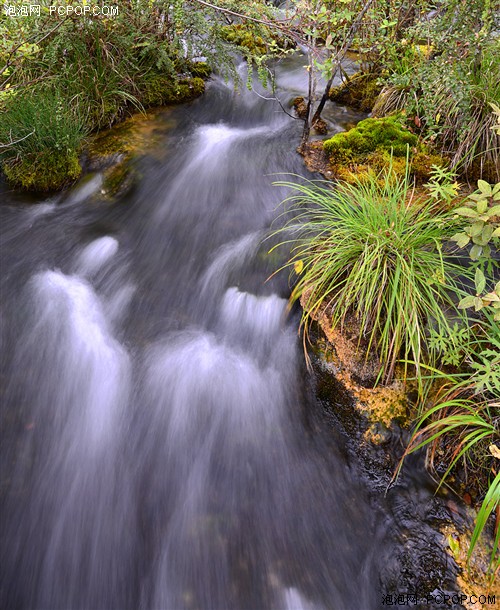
(163, 447)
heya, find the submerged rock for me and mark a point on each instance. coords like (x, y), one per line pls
(114, 150)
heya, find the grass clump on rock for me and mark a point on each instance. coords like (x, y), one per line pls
(44, 138)
(367, 252)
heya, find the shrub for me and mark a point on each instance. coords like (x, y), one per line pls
(450, 97)
(368, 251)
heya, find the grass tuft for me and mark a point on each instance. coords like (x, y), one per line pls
(371, 252)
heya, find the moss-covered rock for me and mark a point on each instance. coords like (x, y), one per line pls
(200, 69)
(360, 91)
(370, 135)
(375, 145)
(159, 90)
(48, 171)
(300, 106)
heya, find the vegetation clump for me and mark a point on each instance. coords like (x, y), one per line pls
(46, 137)
(376, 144)
(359, 91)
(370, 135)
(368, 251)
(244, 37)
(160, 90)
(103, 68)
(449, 95)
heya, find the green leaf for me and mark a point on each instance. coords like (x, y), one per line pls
(484, 187)
(478, 304)
(475, 252)
(454, 546)
(494, 211)
(476, 227)
(482, 206)
(496, 232)
(484, 237)
(492, 297)
(461, 239)
(466, 302)
(468, 212)
(480, 281)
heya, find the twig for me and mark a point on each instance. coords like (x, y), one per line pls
(16, 141)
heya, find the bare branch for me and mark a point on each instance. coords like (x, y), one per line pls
(11, 143)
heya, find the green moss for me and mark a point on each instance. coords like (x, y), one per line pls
(159, 90)
(243, 36)
(374, 146)
(360, 91)
(200, 69)
(371, 135)
(48, 171)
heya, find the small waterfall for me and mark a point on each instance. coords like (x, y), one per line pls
(77, 379)
(94, 256)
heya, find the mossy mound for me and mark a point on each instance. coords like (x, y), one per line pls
(200, 69)
(375, 145)
(49, 171)
(159, 90)
(300, 106)
(370, 135)
(360, 91)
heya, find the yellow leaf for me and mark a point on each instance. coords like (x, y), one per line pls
(298, 266)
(438, 116)
(495, 451)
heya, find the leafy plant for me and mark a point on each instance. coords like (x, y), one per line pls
(483, 224)
(467, 431)
(441, 185)
(371, 253)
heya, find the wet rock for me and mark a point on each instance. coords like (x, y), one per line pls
(320, 126)
(300, 106)
(360, 91)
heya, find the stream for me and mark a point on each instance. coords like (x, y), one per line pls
(163, 445)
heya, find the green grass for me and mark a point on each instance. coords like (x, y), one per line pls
(44, 137)
(466, 430)
(371, 253)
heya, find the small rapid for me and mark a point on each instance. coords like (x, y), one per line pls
(162, 444)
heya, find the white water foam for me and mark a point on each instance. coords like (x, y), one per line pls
(229, 258)
(293, 600)
(95, 255)
(88, 368)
